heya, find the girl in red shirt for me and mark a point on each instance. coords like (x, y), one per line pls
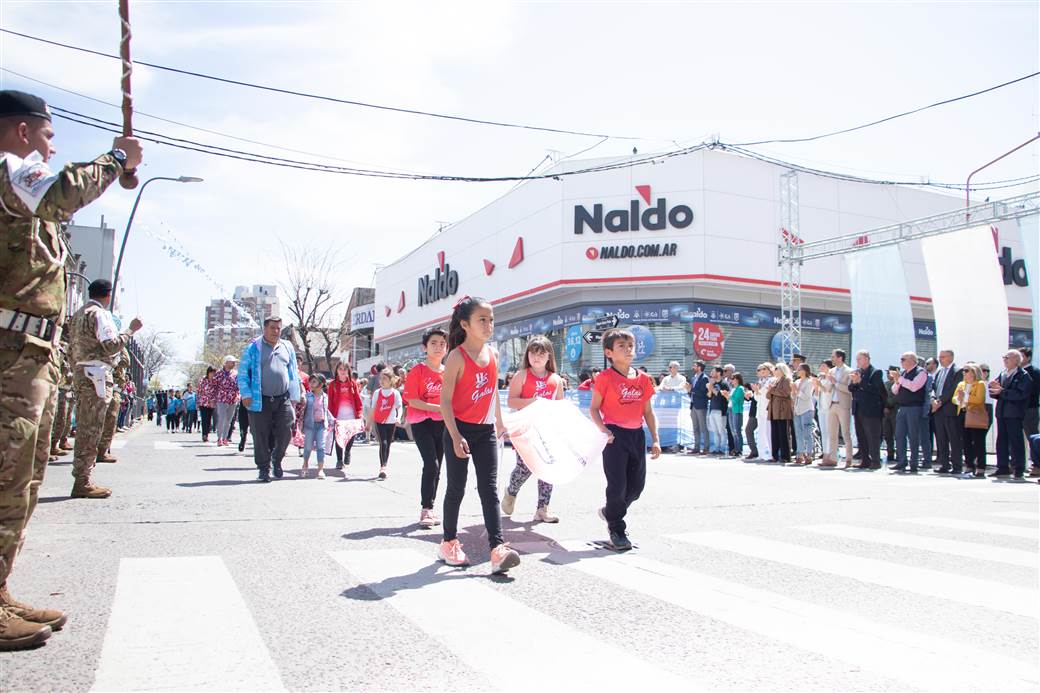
(385, 412)
(620, 403)
(470, 407)
(422, 394)
(344, 404)
(537, 379)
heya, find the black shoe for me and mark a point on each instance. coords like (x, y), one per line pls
(1000, 475)
(1020, 476)
(900, 469)
(277, 466)
(242, 445)
(913, 471)
(620, 542)
(943, 470)
(382, 472)
(926, 466)
(264, 478)
(339, 465)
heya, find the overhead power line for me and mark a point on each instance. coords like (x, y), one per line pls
(331, 99)
(891, 117)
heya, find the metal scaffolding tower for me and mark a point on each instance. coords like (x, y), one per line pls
(790, 268)
(793, 252)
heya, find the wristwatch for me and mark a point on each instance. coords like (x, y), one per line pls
(119, 155)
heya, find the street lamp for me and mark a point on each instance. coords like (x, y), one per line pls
(133, 211)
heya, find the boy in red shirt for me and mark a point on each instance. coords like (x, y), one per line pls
(620, 403)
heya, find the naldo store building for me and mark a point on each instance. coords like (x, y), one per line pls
(684, 251)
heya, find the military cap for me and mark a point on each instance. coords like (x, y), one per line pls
(18, 103)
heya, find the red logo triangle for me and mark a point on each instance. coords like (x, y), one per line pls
(400, 304)
(644, 192)
(489, 267)
(518, 253)
(440, 260)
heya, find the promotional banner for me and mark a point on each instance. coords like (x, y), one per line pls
(573, 344)
(1030, 229)
(882, 321)
(644, 342)
(708, 341)
(968, 295)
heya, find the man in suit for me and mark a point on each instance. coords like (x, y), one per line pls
(839, 413)
(868, 409)
(698, 388)
(949, 425)
(1031, 423)
(926, 417)
(1011, 389)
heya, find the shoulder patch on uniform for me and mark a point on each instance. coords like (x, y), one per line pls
(31, 178)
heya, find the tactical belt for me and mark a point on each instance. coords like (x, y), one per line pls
(41, 328)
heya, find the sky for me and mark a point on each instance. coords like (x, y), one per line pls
(669, 73)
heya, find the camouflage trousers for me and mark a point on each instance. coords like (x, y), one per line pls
(108, 431)
(62, 415)
(90, 422)
(28, 394)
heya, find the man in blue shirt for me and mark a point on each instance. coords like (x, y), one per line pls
(269, 382)
(698, 389)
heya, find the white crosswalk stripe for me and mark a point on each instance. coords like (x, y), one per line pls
(935, 583)
(916, 659)
(182, 624)
(1018, 515)
(982, 552)
(973, 526)
(465, 615)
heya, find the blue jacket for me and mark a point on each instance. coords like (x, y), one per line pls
(699, 391)
(1014, 398)
(249, 374)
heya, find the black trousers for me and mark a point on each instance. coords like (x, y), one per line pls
(949, 437)
(272, 430)
(624, 466)
(483, 449)
(429, 439)
(386, 436)
(173, 422)
(207, 420)
(243, 422)
(343, 453)
(1011, 443)
(781, 443)
(868, 433)
(975, 449)
(749, 434)
(729, 433)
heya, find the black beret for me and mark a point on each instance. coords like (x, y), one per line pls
(99, 288)
(18, 103)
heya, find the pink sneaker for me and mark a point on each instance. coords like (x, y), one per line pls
(426, 518)
(503, 558)
(451, 553)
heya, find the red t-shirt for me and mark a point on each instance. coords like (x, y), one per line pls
(475, 391)
(539, 387)
(623, 398)
(423, 383)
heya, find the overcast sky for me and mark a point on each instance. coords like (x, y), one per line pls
(667, 72)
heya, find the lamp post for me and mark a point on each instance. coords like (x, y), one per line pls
(130, 221)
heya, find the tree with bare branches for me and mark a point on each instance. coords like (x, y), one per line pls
(314, 300)
(156, 353)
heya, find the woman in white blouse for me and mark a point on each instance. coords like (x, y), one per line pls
(760, 388)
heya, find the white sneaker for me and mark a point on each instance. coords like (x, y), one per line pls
(508, 504)
(543, 515)
(321, 473)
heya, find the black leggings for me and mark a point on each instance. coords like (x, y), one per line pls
(342, 453)
(429, 439)
(781, 442)
(243, 424)
(207, 420)
(483, 448)
(975, 449)
(386, 436)
(172, 421)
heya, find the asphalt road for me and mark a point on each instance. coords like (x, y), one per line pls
(746, 577)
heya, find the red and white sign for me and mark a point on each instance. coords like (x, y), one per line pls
(708, 341)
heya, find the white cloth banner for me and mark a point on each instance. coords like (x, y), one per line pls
(882, 322)
(968, 295)
(1030, 229)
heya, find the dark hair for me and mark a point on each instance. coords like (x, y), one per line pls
(541, 344)
(699, 363)
(595, 370)
(462, 313)
(615, 334)
(99, 288)
(434, 332)
(586, 374)
(804, 368)
(210, 369)
(828, 363)
(739, 378)
(841, 353)
(317, 378)
(719, 370)
(1026, 351)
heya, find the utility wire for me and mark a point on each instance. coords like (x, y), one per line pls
(888, 118)
(332, 99)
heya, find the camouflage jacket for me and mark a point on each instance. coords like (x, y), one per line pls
(64, 367)
(120, 375)
(33, 201)
(93, 336)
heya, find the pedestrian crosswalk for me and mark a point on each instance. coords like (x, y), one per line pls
(183, 623)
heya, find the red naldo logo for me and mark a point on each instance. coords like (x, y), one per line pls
(657, 217)
(592, 253)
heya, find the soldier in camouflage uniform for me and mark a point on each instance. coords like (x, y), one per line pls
(96, 346)
(63, 409)
(33, 202)
(108, 431)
